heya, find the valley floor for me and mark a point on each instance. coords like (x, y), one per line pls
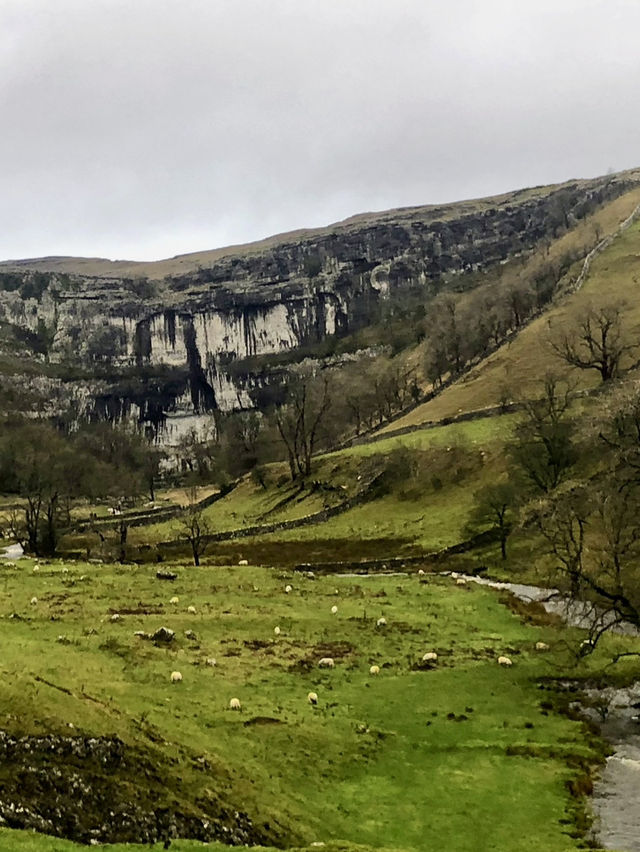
(466, 755)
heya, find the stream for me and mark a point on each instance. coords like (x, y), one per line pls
(616, 791)
(12, 552)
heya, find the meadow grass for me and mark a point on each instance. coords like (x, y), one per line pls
(381, 761)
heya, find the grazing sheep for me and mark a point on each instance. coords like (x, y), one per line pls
(374, 670)
(65, 570)
(211, 661)
(542, 646)
(429, 657)
(276, 631)
(288, 588)
(326, 663)
(461, 582)
(334, 609)
(36, 568)
(115, 617)
(312, 698)
(175, 600)
(420, 572)
(234, 704)
(243, 562)
(191, 610)
(34, 601)
(176, 677)
(381, 622)
(504, 661)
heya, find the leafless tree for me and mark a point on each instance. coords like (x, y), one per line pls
(194, 527)
(299, 420)
(597, 343)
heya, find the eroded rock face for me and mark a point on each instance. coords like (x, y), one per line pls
(186, 329)
(95, 788)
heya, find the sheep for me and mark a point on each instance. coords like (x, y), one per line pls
(288, 588)
(191, 610)
(461, 582)
(276, 631)
(175, 600)
(381, 622)
(115, 617)
(429, 657)
(243, 562)
(374, 670)
(334, 609)
(312, 698)
(234, 704)
(34, 601)
(36, 568)
(326, 663)
(420, 572)
(65, 570)
(211, 661)
(176, 677)
(542, 646)
(504, 661)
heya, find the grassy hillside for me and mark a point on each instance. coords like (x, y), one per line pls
(519, 364)
(458, 757)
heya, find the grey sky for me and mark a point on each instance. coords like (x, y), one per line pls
(145, 128)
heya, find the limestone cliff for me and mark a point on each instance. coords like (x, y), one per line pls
(177, 325)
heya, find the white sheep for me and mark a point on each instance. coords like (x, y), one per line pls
(429, 657)
(542, 646)
(504, 661)
(234, 704)
(334, 609)
(211, 661)
(276, 631)
(36, 568)
(312, 698)
(460, 581)
(191, 610)
(65, 570)
(326, 662)
(175, 600)
(381, 622)
(374, 670)
(243, 562)
(421, 572)
(288, 588)
(176, 677)
(34, 601)
(115, 617)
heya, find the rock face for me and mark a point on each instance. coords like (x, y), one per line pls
(172, 337)
(97, 790)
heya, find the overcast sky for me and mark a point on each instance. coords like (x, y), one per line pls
(141, 129)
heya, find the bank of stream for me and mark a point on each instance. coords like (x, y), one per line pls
(616, 791)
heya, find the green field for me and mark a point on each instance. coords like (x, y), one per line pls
(460, 757)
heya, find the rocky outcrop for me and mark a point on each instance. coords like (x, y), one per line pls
(174, 337)
(97, 790)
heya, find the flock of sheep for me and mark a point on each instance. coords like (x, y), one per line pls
(430, 658)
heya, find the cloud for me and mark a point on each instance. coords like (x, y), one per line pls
(151, 128)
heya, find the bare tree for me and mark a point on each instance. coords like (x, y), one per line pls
(593, 533)
(494, 509)
(299, 420)
(194, 527)
(543, 447)
(597, 342)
